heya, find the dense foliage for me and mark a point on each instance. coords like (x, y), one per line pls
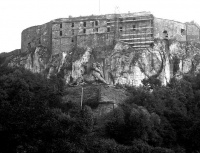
(155, 118)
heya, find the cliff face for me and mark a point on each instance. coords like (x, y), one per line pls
(119, 63)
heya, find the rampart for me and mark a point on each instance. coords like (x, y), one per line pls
(136, 29)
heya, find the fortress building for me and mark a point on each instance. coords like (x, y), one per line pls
(128, 48)
(136, 29)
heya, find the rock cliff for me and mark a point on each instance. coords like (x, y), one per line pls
(119, 63)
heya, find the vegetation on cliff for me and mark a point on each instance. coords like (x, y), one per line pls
(154, 119)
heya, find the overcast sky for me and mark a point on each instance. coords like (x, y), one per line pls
(16, 15)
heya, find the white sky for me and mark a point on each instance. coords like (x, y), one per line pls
(16, 15)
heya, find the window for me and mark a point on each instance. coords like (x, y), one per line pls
(134, 19)
(84, 30)
(108, 29)
(29, 45)
(96, 29)
(108, 22)
(60, 33)
(72, 32)
(61, 26)
(182, 31)
(84, 24)
(165, 34)
(134, 28)
(165, 31)
(96, 23)
(92, 23)
(72, 40)
(72, 24)
(120, 29)
(120, 19)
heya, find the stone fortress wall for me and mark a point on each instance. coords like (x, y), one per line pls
(135, 29)
(128, 47)
(37, 35)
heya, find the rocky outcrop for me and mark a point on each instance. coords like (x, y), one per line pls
(119, 63)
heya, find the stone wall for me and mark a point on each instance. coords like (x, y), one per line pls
(136, 29)
(35, 48)
(79, 32)
(35, 36)
(192, 32)
(176, 30)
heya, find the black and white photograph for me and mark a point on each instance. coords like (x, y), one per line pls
(100, 76)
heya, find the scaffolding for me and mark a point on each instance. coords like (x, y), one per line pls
(130, 30)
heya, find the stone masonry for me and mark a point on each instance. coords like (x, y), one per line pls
(128, 47)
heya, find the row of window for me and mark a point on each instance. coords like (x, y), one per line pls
(97, 29)
(122, 19)
(165, 33)
(84, 31)
(133, 28)
(94, 23)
